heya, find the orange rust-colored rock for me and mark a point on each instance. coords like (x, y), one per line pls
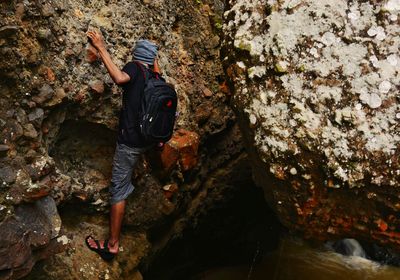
(169, 157)
(182, 148)
(224, 88)
(382, 225)
(207, 92)
(36, 194)
(169, 190)
(50, 75)
(47, 73)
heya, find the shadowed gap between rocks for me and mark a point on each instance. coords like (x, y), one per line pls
(82, 144)
(235, 227)
(84, 152)
(230, 233)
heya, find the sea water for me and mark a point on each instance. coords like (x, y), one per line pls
(295, 260)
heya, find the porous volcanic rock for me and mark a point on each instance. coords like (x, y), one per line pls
(59, 116)
(316, 90)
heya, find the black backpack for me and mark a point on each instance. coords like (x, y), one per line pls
(158, 108)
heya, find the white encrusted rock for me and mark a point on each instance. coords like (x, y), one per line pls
(326, 73)
(331, 109)
(384, 87)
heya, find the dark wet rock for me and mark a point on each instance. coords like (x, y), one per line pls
(8, 31)
(23, 235)
(150, 202)
(3, 150)
(21, 116)
(349, 247)
(36, 116)
(30, 156)
(15, 245)
(382, 255)
(43, 220)
(15, 130)
(7, 175)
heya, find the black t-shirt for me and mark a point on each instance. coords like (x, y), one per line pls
(129, 129)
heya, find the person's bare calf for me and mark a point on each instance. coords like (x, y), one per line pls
(116, 216)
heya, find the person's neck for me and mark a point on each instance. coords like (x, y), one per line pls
(144, 64)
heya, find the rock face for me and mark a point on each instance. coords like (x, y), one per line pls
(32, 234)
(316, 91)
(58, 121)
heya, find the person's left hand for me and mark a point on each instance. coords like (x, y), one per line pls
(96, 39)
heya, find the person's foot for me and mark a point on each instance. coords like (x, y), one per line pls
(105, 248)
(112, 246)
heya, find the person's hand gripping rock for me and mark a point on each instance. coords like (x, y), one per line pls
(96, 39)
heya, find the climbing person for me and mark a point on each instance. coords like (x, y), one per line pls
(130, 142)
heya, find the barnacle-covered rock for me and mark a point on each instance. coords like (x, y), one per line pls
(316, 91)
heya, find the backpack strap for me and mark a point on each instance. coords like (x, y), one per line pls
(144, 72)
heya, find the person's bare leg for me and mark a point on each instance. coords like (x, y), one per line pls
(116, 216)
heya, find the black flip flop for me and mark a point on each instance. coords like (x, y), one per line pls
(104, 253)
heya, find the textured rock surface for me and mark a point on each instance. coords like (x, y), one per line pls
(315, 88)
(317, 93)
(182, 149)
(59, 112)
(32, 234)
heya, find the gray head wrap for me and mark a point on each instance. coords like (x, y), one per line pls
(145, 51)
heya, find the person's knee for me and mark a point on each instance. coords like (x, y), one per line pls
(120, 192)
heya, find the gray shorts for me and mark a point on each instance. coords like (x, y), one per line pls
(124, 161)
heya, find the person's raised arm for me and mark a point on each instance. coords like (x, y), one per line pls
(118, 76)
